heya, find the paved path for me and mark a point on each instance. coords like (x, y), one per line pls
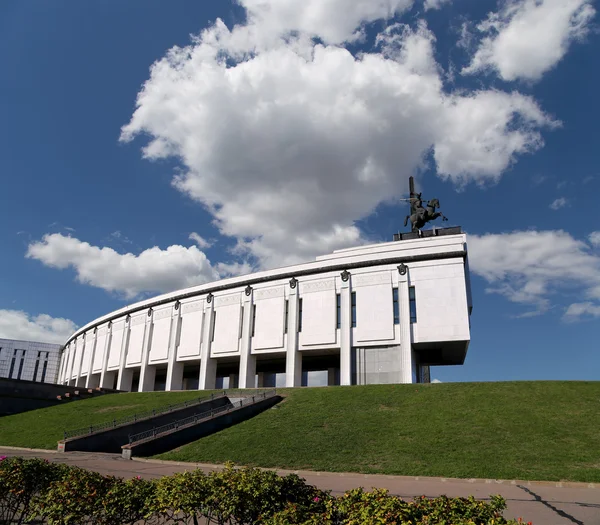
(543, 503)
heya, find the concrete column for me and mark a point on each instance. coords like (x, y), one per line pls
(103, 372)
(247, 360)
(91, 364)
(124, 379)
(208, 366)
(61, 367)
(346, 335)
(147, 372)
(293, 358)
(71, 360)
(174, 368)
(406, 352)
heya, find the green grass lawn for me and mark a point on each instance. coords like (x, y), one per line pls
(525, 430)
(44, 427)
(512, 430)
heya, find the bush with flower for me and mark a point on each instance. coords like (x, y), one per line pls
(56, 494)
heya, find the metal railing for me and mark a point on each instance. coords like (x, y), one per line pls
(85, 431)
(208, 414)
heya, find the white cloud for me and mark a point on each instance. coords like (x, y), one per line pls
(234, 269)
(527, 38)
(559, 203)
(577, 311)
(436, 381)
(594, 238)
(288, 144)
(434, 4)
(200, 241)
(153, 270)
(531, 267)
(334, 21)
(16, 324)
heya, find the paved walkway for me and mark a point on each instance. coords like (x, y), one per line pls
(543, 503)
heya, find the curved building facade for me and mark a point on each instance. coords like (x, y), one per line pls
(374, 314)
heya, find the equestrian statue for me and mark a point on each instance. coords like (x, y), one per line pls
(420, 215)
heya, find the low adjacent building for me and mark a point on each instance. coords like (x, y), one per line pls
(374, 314)
(29, 360)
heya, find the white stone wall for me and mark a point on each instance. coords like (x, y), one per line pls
(30, 358)
(241, 322)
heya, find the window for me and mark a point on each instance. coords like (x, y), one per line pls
(12, 364)
(396, 306)
(300, 315)
(353, 302)
(241, 323)
(21, 365)
(44, 368)
(37, 364)
(413, 304)
(253, 318)
(338, 306)
(287, 310)
(214, 323)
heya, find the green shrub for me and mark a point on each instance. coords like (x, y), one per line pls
(182, 497)
(129, 501)
(76, 498)
(21, 481)
(61, 495)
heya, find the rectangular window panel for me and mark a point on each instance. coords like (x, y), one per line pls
(161, 336)
(253, 319)
(396, 306)
(287, 309)
(21, 365)
(37, 364)
(412, 304)
(101, 336)
(338, 308)
(44, 370)
(116, 340)
(300, 315)
(353, 302)
(268, 323)
(12, 364)
(135, 346)
(190, 335)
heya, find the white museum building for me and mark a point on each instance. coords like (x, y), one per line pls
(374, 314)
(29, 360)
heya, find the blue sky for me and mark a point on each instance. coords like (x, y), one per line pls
(271, 132)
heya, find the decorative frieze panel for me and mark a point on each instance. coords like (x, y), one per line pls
(226, 300)
(320, 285)
(102, 331)
(138, 319)
(163, 313)
(269, 293)
(194, 306)
(118, 325)
(371, 279)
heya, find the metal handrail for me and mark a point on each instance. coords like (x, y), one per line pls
(192, 420)
(138, 416)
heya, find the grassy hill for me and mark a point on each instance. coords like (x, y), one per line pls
(524, 430)
(44, 427)
(513, 430)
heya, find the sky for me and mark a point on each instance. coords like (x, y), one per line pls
(147, 146)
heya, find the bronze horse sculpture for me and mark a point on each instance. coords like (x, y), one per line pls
(422, 215)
